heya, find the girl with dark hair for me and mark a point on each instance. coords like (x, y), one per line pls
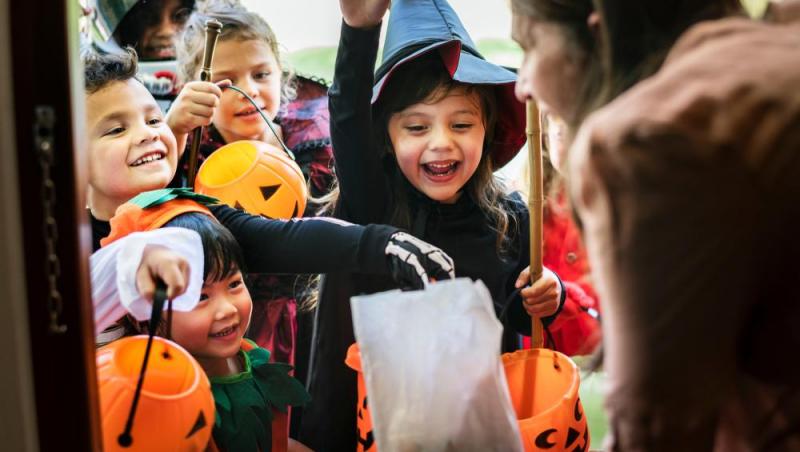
(151, 27)
(251, 395)
(684, 176)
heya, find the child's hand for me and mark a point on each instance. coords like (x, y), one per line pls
(414, 263)
(161, 263)
(363, 13)
(540, 299)
(194, 107)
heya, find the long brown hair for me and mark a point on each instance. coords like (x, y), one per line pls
(571, 17)
(637, 35)
(631, 43)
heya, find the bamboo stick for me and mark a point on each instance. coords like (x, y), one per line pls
(535, 206)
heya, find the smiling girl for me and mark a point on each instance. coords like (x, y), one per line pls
(416, 144)
(250, 394)
(247, 55)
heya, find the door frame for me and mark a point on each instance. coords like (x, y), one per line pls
(46, 72)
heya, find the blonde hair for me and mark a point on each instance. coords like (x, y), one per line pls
(238, 24)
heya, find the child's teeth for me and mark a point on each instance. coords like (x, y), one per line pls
(224, 332)
(440, 168)
(147, 159)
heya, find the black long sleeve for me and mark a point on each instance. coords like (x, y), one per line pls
(462, 230)
(363, 191)
(309, 245)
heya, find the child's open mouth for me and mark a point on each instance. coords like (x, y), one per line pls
(227, 332)
(149, 157)
(440, 170)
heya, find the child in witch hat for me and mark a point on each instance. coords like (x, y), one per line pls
(415, 145)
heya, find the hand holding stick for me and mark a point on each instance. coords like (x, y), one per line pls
(213, 29)
(535, 206)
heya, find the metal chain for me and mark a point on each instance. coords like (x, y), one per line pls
(44, 140)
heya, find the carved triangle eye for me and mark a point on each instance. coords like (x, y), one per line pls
(199, 424)
(268, 191)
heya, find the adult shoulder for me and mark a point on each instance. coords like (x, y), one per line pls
(727, 90)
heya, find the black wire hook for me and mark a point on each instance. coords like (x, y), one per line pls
(125, 439)
(269, 123)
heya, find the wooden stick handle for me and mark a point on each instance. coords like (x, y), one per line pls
(535, 206)
(213, 29)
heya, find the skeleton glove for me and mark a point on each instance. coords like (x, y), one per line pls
(413, 263)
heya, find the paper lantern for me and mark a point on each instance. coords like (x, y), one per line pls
(256, 177)
(176, 407)
(544, 392)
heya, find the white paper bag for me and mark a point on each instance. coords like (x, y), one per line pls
(432, 368)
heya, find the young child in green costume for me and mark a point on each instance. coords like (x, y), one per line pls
(251, 394)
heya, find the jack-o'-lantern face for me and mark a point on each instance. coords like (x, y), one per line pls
(255, 177)
(577, 434)
(364, 434)
(175, 410)
(544, 392)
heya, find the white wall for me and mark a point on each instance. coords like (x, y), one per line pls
(301, 24)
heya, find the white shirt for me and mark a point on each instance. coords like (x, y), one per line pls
(113, 272)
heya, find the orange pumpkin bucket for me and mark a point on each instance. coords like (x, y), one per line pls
(176, 408)
(544, 392)
(543, 383)
(366, 439)
(256, 177)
